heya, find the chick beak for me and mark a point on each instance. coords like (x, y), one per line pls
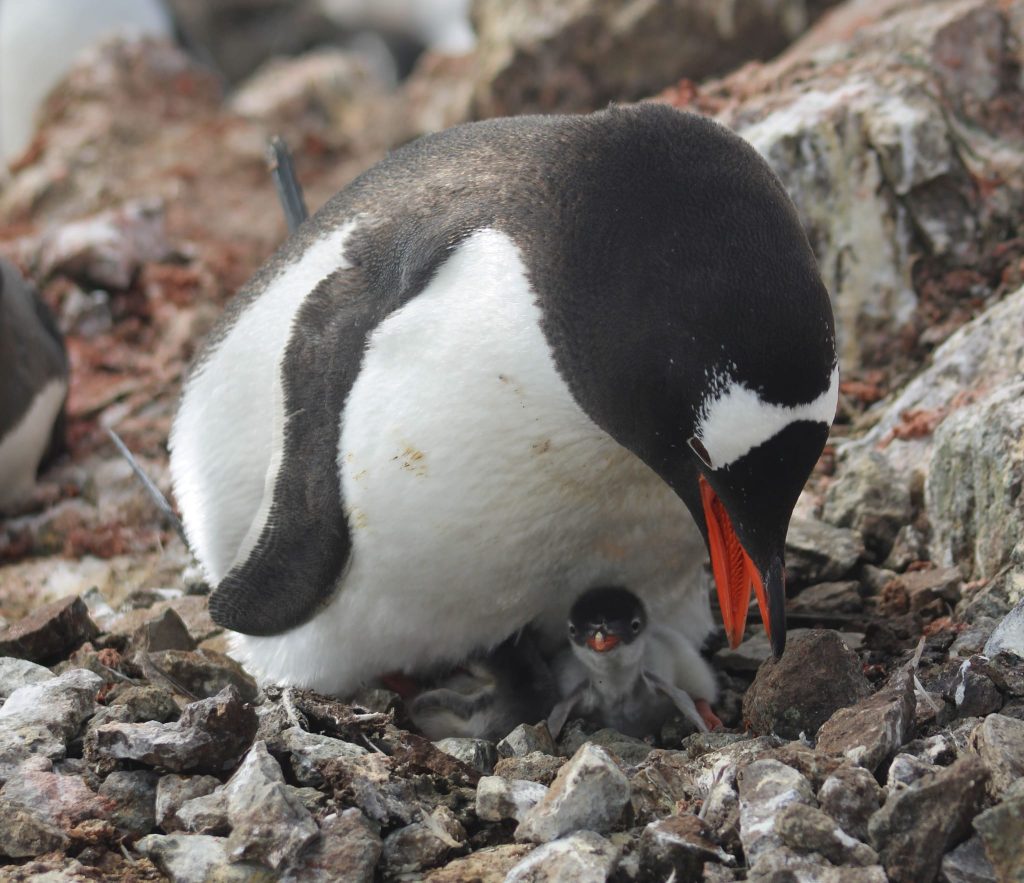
(736, 574)
(602, 642)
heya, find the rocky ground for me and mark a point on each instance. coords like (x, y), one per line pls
(888, 743)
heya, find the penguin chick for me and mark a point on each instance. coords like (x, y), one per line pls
(34, 368)
(627, 672)
(488, 696)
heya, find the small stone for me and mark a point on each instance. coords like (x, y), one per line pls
(766, 787)
(974, 692)
(1008, 636)
(477, 753)
(134, 797)
(905, 770)
(309, 752)
(807, 829)
(869, 732)
(59, 800)
(205, 814)
(721, 812)
(589, 793)
(38, 720)
(1002, 829)
(186, 858)
(967, 864)
(812, 765)
(1007, 672)
(316, 802)
(144, 703)
(827, 599)
(210, 735)
(917, 824)
(584, 857)
(819, 552)
(347, 840)
(785, 864)
(368, 783)
(817, 675)
(490, 865)
(172, 792)
(166, 631)
(972, 638)
(851, 796)
(204, 673)
(680, 845)
(268, 824)
(535, 767)
(423, 844)
(16, 673)
(525, 739)
(50, 632)
(24, 834)
(869, 497)
(628, 749)
(925, 588)
(999, 742)
(498, 799)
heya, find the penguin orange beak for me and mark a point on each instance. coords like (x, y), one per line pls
(735, 573)
(602, 643)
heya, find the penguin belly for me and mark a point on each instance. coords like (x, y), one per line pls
(479, 496)
(24, 443)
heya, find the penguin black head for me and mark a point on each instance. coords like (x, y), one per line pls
(698, 333)
(603, 618)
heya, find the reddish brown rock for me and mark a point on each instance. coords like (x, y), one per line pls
(817, 675)
(50, 632)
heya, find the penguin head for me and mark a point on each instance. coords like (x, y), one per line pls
(607, 628)
(708, 342)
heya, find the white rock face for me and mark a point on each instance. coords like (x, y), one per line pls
(39, 719)
(498, 798)
(585, 857)
(766, 787)
(882, 173)
(589, 793)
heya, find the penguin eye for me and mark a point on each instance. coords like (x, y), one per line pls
(635, 625)
(572, 630)
(697, 446)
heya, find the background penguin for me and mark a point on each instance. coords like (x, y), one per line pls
(513, 361)
(34, 372)
(626, 672)
(39, 42)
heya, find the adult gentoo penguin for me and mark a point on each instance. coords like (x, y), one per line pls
(513, 361)
(33, 386)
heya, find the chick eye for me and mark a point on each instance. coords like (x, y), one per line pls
(697, 446)
(572, 630)
(635, 625)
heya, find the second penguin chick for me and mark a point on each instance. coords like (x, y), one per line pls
(626, 672)
(488, 696)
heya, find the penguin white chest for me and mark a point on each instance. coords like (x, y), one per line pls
(479, 496)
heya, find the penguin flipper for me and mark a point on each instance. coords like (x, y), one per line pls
(560, 713)
(301, 552)
(680, 699)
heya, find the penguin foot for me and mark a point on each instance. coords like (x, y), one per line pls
(400, 683)
(712, 720)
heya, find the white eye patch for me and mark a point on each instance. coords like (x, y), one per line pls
(737, 420)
